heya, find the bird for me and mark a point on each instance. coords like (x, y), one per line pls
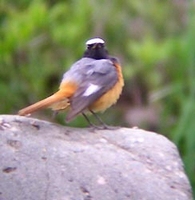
(92, 84)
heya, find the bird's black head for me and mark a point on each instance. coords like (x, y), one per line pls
(96, 49)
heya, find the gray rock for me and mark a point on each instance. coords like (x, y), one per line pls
(43, 161)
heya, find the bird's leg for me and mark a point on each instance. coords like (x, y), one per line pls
(87, 119)
(105, 126)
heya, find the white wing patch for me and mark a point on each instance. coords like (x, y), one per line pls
(91, 89)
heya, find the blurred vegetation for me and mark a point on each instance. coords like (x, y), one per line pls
(153, 39)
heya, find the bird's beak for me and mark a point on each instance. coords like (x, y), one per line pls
(95, 45)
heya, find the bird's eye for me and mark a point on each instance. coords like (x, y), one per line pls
(95, 45)
(101, 45)
(89, 46)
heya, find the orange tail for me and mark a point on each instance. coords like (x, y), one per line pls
(58, 101)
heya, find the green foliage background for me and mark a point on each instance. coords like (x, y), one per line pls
(153, 39)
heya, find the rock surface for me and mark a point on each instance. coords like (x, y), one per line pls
(43, 161)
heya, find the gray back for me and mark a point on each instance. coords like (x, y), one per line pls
(86, 72)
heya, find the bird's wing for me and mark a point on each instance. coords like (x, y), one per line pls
(95, 79)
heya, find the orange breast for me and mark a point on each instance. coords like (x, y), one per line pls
(110, 97)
